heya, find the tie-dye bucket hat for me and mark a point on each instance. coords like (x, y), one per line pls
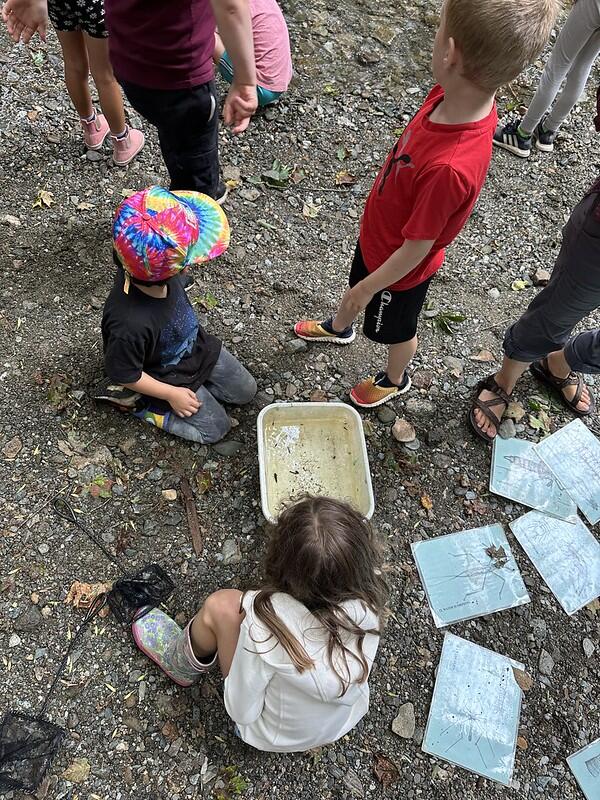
(157, 233)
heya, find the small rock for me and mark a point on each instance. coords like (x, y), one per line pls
(29, 620)
(588, 647)
(295, 345)
(403, 431)
(386, 414)
(14, 641)
(94, 155)
(318, 396)
(368, 54)
(169, 494)
(494, 293)
(231, 552)
(353, 783)
(43, 548)
(435, 436)
(12, 448)
(546, 663)
(228, 448)
(414, 445)
(262, 399)
(454, 364)
(95, 302)
(419, 407)
(507, 429)
(231, 173)
(404, 724)
(540, 277)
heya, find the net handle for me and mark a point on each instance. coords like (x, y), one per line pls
(66, 511)
(95, 608)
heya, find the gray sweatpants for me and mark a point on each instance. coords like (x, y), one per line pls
(572, 293)
(572, 57)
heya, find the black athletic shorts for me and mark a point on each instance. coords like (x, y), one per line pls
(391, 317)
(78, 15)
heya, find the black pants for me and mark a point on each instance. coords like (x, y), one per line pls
(187, 124)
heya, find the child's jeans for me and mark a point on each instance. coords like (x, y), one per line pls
(264, 96)
(572, 293)
(229, 382)
(187, 124)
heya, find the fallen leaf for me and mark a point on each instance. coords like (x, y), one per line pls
(84, 206)
(385, 770)
(33, 115)
(519, 285)
(593, 608)
(310, 209)
(278, 176)
(170, 731)
(342, 153)
(12, 448)
(524, 679)
(498, 556)
(345, 178)
(515, 411)
(298, 175)
(446, 321)
(101, 487)
(403, 431)
(78, 771)
(58, 388)
(38, 57)
(233, 184)
(44, 199)
(522, 743)
(204, 481)
(426, 502)
(82, 595)
(484, 356)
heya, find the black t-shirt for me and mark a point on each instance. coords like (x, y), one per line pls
(159, 336)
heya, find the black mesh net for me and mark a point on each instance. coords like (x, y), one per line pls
(134, 595)
(27, 746)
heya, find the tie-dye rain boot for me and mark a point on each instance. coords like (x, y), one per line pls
(164, 642)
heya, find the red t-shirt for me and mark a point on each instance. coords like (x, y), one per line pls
(426, 189)
(161, 44)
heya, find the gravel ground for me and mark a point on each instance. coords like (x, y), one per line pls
(362, 70)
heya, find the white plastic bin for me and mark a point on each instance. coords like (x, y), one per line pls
(313, 448)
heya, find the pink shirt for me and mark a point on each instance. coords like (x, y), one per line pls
(271, 46)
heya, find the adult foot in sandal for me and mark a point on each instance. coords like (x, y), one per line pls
(555, 372)
(489, 405)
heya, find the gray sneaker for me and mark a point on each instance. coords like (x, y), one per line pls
(544, 139)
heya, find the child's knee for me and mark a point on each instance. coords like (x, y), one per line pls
(219, 427)
(222, 606)
(246, 390)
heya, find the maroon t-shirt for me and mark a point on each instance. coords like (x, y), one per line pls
(161, 44)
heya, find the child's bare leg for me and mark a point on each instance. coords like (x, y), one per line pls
(345, 315)
(216, 627)
(399, 356)
(77, 70)
(109, 91)
(219, 48)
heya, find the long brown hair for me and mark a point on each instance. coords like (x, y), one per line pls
(323, 553)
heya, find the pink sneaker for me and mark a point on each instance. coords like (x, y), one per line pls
(95, 132)
(127, 148)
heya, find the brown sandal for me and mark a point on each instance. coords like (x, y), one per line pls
(541, 371)
(485, 406)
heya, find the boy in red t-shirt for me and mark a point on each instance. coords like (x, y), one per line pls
(430, 181)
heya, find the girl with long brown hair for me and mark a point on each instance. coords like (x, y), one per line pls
(295, 654)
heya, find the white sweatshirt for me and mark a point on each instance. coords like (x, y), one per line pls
(278, 709)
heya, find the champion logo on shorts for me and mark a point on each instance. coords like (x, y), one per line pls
(385, 300)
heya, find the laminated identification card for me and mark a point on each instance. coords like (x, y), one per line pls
(519, 474)
(573, 455)
(474, 715)
(566, 556)
(585, 765)
(469, 574)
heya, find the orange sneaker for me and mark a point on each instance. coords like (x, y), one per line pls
(313, 331)
(378, 390)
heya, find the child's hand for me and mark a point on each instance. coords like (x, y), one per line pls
(183, 401)
(357, 299)
(239, 106)
(24, 17)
